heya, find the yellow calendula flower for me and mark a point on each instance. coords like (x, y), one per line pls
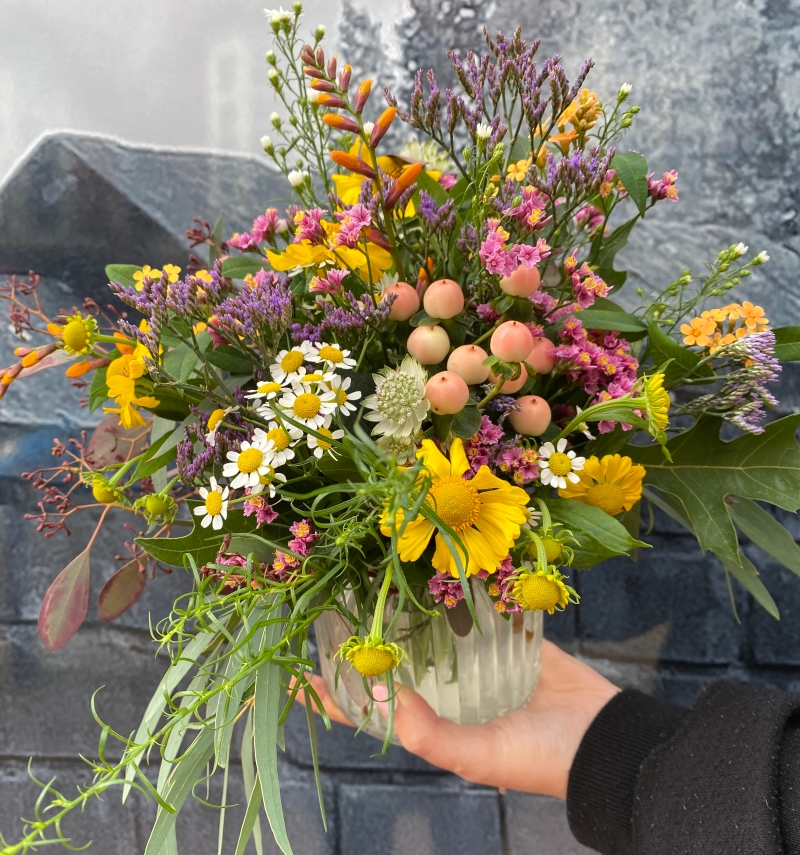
(613, 484)
(486, 513)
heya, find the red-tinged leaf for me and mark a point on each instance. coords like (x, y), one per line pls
(122, 590)
(65, 604)
(112, 443)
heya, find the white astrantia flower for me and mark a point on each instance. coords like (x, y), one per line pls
(297, 177)
(558, 465)
(399, 404)
(404, 448)
(313, 409)
(333, 357)
(215, 505)
(283, 438)
(287, 365)
(250, 462)
(213, 423)
(344, 398)
(319, 446)
(483, 131)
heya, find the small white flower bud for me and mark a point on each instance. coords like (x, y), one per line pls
(297, 178)
(368, 126)
(266, 144)
(275, 119)
(761, 258)
(739, 250)
(483, 131)
(319, 33)
(624, 91)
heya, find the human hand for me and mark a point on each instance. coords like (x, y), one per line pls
(531, 749)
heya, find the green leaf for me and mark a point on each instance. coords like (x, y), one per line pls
(456, 331)
(172, 405)
(466, 423)
(228, 359)
(787, 343)
(342, 469)
(600, 535)
(598, 319)
(605, 249)
(704, 470)
(521, 309)
(123, 273)
(163, 450)
(684, 364)
(122, 590)
(266, 711)
(173, 360)
(747, 575)
(766, 532)
(65, 604)
(188, 365)
(608, 443)
(442, 425)
(614, 278)
(98, 390)
(631, 170)
(243, 265)
(432, 187)
(423, 319)
(201, 543)
(251, 825)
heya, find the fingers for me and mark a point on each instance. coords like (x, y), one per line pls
(327, 699)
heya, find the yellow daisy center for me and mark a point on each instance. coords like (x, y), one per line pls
(268, 388)
(321, 442)
(292, 361)
(307, 405)
(214, 503)
(539, 593)
(560, 463)
(372, 661)
(268, 476)
(312, 378)
(331, 354)
(75, 335)
(456, 501)
(341, 397)
(608, 497)
(250, 460)
(215, 418)
(279, 437)
(552, 548)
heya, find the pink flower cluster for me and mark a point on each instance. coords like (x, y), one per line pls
(264, 228)
(590, 217)
(529, 213)
(587, 286)
(522, 464)
(304, 537)
(258, 505)
(500, 258)
(499, 587)
(309, 226)
(445, 589)
(481, 449)
(665, 188)
(353, 220)
(331, 284)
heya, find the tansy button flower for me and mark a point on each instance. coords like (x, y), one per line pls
(334, 357)
(613, 484)
(309, 408)
(485, 512)
(251, 461)
(558, 465)
(542, 590)
(215, 507)
(288, 363)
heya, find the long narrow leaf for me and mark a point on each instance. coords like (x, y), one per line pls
(252, 820)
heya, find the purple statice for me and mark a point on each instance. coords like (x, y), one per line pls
(481, 448)
(444, 588)
(305, 332)
(359, 316)
(467, 241)
(264, 512)
(436, 217)
(664, 188)
(266, 303)
(308, 226)
(353, 220)
(304, 537)
(577, 174)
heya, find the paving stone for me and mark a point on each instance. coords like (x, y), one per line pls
(672, 583)
(401, 820)
(81, 201)
(537, 825)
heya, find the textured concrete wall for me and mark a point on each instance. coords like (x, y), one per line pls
(719, 89)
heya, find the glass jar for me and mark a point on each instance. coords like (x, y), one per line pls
(467, 676)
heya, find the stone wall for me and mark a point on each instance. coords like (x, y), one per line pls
(663, 624)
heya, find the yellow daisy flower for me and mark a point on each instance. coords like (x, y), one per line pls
(542, 590)
(658, 401)
(613, 484)
(147, 272)
(485, 512)
(77, 334)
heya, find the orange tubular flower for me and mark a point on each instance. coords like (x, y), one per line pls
(325, 99)
(341, 123)
(352, 163)
(382, 125)
(408, 177)
(362, 95)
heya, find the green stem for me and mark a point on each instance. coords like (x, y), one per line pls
(376, 632)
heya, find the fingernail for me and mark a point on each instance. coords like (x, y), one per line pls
(380, 694)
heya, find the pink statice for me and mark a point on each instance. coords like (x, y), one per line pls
(264, 227)
(242, 241)
(590, 217)
(304, 537)
(331, 283)
(530, 213)
(282, 564)
(501, 259)
(665, 188)
(309, 226)
(481, 448)
(258, 505)
(522, 464)
(444, 588)
(500, 588)
(587, 286)
(353, 220)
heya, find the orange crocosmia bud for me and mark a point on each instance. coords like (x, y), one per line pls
(78, 369)
(341, 123)
(352, 163)
(30, 359)
(362, 95)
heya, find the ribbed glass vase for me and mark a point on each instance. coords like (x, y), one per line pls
(469, 677)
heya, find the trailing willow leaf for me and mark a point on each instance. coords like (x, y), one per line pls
(766, 532)
(704, 470)
(251, 824)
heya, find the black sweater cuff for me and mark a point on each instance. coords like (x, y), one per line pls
(602, 780)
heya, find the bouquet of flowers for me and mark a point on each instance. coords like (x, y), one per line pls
(412, 392)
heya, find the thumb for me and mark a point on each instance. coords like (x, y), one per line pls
(466, 751)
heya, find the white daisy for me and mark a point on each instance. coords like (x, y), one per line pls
(267, 482)
(314, 378)
(399, 404)
(283, 440)
(309, 408)
(583, 427)
(252, 460)
(333, 356)
(344, 399)
(213, 423)
(319, 446)
(534, 515)
(215, 505)
(289, 362)
(558, 465)
(265, 391)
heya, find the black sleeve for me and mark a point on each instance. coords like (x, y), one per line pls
(651, 778)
